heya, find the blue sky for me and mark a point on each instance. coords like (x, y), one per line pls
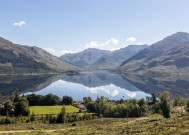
(73, 25)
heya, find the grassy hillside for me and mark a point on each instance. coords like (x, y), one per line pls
(151, 125)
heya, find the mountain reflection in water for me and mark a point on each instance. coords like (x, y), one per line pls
(93, 84)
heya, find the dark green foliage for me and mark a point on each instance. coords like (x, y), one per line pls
(48, 99)
(122, 108)
(91, 107)
(179, 101)
(51, 99)
(67, 100)
(18, 106)
(35, 99)
(32, 117)
(153, 99)
(165, 104)
(87, 100)
(8, 109)
(61, 118)
(21, 107)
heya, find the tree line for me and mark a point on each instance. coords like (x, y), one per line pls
(19, 105)
(48, 100)
(102, 107)
(158, 103)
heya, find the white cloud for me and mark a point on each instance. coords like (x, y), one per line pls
(131, 94)
(131, 39)
(50, 50)
(57, 53)
(112, 41)
(111, 92)
(95, 44)
(19, 24)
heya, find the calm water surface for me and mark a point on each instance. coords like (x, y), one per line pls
(93, 84)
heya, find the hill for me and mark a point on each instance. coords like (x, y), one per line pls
(15, 58)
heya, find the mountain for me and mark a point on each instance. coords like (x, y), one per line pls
(174, 61)
(115, 58)
(84, 58)
(164, 56)
(102, 59)
(16, 58)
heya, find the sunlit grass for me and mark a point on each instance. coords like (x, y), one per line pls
(52, 109)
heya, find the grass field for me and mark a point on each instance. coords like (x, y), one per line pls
(150, 125)
(52, 109)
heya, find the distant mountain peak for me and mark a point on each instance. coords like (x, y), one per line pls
(102, 59)
(93, 50)
(179, 36)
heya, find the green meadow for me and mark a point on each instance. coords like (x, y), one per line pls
(38, 110)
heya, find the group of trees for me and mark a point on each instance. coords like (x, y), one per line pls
(19, 105)
(121, 108)
(48, 99)
(16, 106)
(159, 103)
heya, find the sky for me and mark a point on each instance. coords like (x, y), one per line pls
(63, 26)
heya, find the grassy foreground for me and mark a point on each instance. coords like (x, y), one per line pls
(151, 125)
(52, 109)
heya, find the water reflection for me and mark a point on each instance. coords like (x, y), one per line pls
(94, 84)
(78, 91)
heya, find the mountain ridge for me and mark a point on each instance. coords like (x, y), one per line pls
(102, 59)
(146, 60)
(15, 58)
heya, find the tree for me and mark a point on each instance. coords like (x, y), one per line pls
(9, 108)
(165, 104)
(34, 99)
(17, 106)
(143, 107)
(16, 96)
(87, 100)
(51, 99)
(91, 107)
(22, 107)
(61, 118)
(67, 100)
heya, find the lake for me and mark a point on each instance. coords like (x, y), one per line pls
(93, 84)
